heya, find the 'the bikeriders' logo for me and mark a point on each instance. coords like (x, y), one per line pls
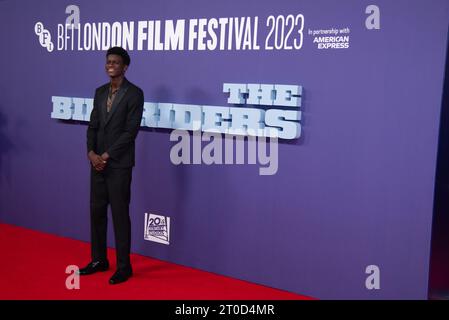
(238, 120)
(219, 123)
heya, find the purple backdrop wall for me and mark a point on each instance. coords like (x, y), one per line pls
(355, 190)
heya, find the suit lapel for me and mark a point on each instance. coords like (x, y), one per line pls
(120, 94)
(103, 101)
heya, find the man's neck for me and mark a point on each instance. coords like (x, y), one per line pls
(116, 82)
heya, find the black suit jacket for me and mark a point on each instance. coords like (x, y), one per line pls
(115, 132)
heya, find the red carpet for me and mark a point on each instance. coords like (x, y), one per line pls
(33, 266)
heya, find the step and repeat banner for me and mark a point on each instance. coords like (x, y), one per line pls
(287, 143)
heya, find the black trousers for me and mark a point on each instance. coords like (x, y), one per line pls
(112, 186)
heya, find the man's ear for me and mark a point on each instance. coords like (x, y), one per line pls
(125, 68)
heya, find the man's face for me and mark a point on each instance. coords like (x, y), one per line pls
(115, 66)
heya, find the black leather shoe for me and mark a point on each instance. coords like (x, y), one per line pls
(94, 266)
(120, 276)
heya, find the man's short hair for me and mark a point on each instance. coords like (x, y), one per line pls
(120, 52)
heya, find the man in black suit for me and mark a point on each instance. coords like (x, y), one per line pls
(113, 127)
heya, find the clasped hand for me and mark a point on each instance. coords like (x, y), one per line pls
(97, 161)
